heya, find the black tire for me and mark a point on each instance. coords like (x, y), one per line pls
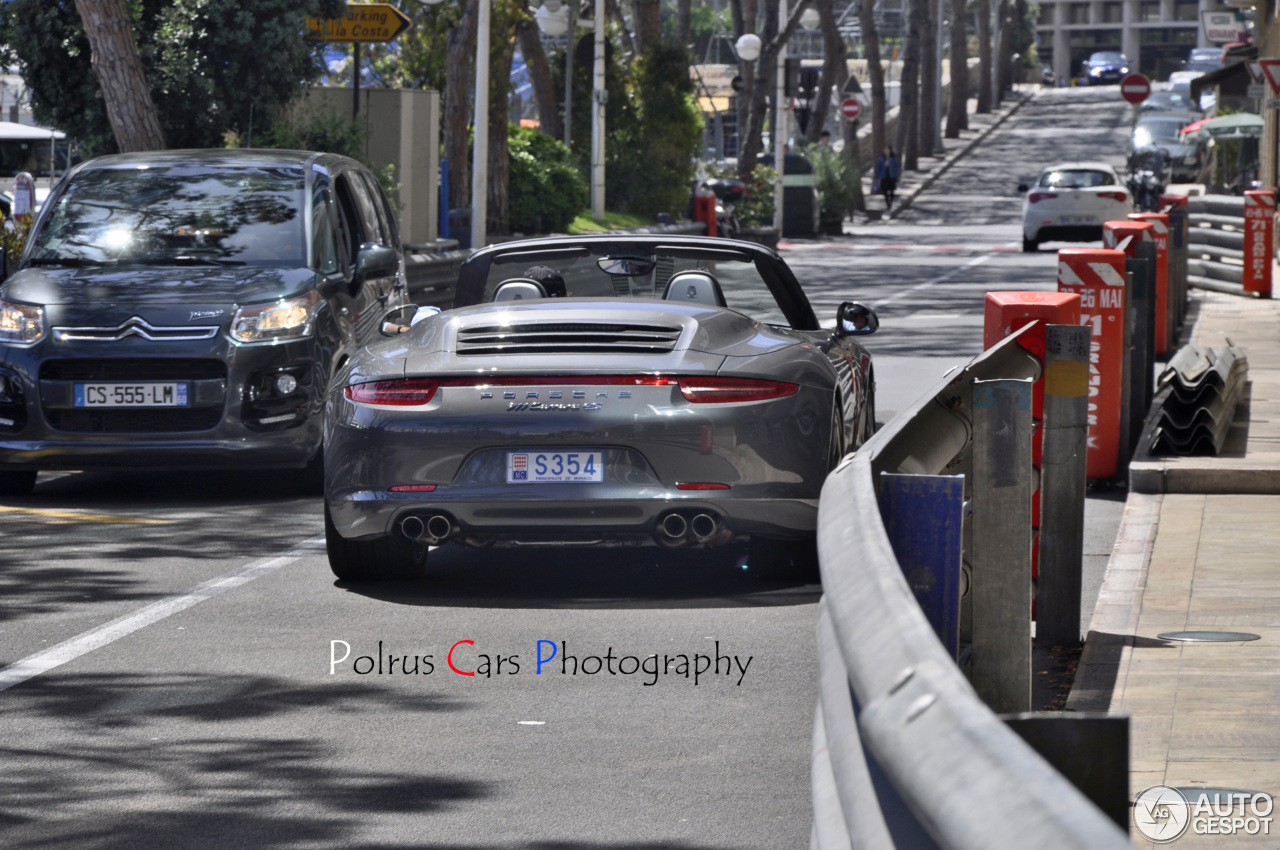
(837, 442)
(388, 558)
(869, 412)
(1030, 246)
(772, 559)
(310, 479)
(17, 483)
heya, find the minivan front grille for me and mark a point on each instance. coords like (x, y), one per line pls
(136, 326)
(134, 369)
(151, 420)
(568, 338)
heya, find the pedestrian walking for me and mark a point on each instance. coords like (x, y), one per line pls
(887, 173)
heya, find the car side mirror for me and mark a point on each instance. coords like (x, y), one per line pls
(397, 320)
(375, 261)
(853, 319)
(1023, 187)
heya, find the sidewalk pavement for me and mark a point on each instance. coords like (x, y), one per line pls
(1201, 555)
(912, 183)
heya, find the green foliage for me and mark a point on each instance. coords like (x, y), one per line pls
(837, 181)
(547, 187)
(756, 206)
(651, 165)
(13, 236)
(212, 66)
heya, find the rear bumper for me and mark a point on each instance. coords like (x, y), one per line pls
(1068, 233)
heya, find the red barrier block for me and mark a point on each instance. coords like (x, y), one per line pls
(1123, 235)
(1259, 219)
(1098, 277)
(704, 209)
(1173, 199)
(1006, 312)
(1160, 223)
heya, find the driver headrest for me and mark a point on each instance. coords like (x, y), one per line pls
(694, 285)
(519, 289)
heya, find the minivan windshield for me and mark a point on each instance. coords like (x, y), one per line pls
(177, 215)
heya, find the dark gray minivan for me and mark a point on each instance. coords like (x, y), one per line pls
(185, 309)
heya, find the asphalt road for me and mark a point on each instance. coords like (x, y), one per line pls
(167, 641)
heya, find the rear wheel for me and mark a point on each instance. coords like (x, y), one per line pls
(772, 559)
(378, 559)
(17, 483)
(1030, 246)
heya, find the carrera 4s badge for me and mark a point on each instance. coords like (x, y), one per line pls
(539, 405)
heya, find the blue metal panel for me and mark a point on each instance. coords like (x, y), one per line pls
(924, 516)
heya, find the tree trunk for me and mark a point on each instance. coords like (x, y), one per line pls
(835, 69)
(615, 11)
(684, 12)
(765, 78)
(983, 11)
(460, 50)
(928, 76)
(1004, 51)
(958, 108)
(906, 140)
(648, 25)
(544, 90)
(499, 206)
(875, 71)
(120, 78)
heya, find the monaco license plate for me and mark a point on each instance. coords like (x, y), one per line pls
(555, 467)
(1078, 219)
(131, 395)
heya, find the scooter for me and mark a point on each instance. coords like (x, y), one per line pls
(729, 193)
(1147, 178)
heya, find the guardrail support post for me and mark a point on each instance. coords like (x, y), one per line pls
(1062, 484)
(1002, 543)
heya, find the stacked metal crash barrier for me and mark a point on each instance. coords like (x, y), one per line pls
(1215, 242)
(433, 276)
(905, 753)
(1196, 401)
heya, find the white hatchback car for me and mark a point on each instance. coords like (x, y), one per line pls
(1070, 201)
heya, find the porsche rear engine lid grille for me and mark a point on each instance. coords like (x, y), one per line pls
(568, 338)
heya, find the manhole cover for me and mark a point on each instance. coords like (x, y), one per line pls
(1223, 637)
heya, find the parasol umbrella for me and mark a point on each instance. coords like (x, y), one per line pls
(1239, 125)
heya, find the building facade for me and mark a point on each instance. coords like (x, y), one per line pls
(1155, 34)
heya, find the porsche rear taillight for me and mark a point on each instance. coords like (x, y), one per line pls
(1036, 197)
(407, 392)
(721, 390)
(1114, 196)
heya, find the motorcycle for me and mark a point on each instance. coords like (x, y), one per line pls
(1147, 178)
(728, 193)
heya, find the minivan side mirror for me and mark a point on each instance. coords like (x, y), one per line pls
(375, 261)
(1023, 187)
(854, 319)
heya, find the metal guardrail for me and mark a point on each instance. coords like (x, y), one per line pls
(905, 753)
(1196, 402)
(1215, 243)
(433, 277)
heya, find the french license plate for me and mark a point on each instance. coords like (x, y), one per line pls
(1078, 219)
(131, 395)
(563, 467)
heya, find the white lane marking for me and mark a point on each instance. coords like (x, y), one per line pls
(532, 722)
(69, 650)
(942, 278)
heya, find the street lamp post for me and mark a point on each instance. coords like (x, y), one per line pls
(553, 24)
(598, 94)
(780, 124)
(748, 49)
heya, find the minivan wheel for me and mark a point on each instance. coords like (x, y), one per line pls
(1030, 246)
(17, 483)
(385, 558)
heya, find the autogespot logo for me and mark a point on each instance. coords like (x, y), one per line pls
(1163, 814)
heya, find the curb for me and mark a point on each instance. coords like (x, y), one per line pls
(1102, 666)
(936, 173)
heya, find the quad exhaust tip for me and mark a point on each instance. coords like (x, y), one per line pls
(704, 526)
(674, 526)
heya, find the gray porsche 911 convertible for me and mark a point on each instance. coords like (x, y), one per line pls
(596, 391)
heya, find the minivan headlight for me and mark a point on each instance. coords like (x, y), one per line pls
(277, 320)
(21, 323)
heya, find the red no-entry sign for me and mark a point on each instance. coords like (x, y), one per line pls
(850, 108)
(1135, 88)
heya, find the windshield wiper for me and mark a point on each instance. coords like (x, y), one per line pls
(184, 260)
(78, 262)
